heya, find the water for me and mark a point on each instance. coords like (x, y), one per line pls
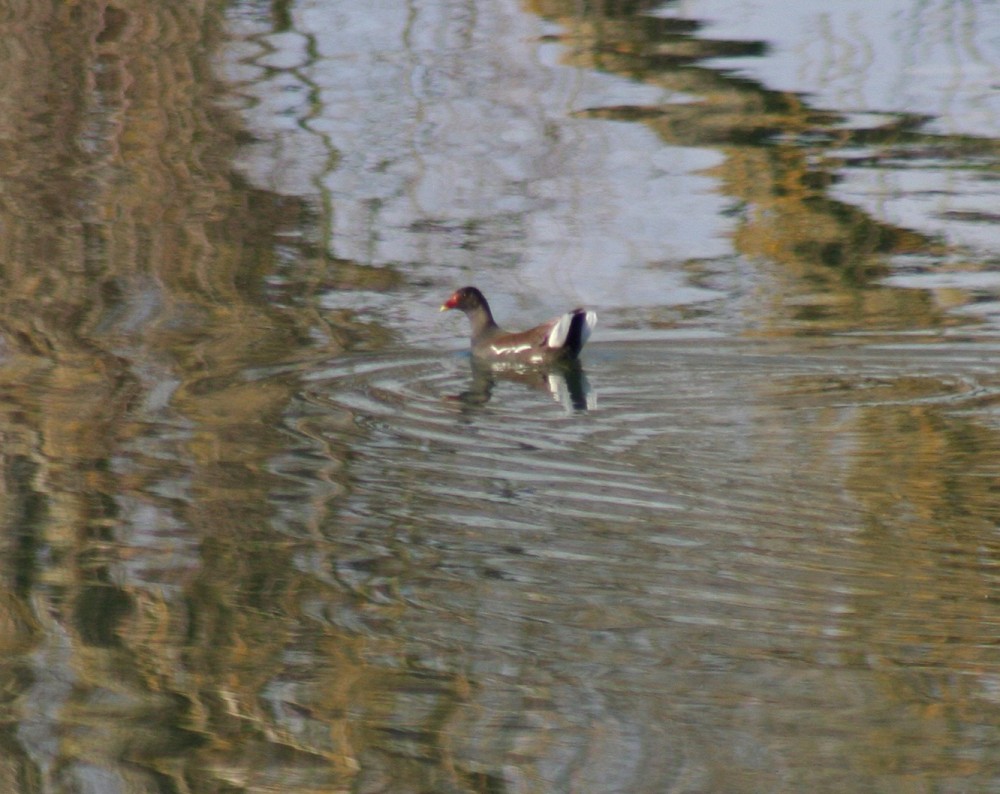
(730, 572)
(268, 529)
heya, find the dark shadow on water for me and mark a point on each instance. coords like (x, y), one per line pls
(565, 382)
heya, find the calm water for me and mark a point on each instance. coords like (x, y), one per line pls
(266, 529)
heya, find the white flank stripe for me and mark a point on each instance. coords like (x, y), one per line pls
(508, 351)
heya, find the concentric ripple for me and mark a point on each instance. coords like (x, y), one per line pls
(503, 451)
(752, 488)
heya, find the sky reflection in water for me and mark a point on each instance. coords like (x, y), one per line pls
(268, 530)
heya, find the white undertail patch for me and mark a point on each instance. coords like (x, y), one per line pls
(557, 336)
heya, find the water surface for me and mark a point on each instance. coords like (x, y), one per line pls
(267, 529)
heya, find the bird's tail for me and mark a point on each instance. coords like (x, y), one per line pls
(572, 331)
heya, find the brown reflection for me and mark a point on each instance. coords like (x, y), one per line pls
(146, 594)
(821, 259)
(565, 382)
(180, 610)
(922, 475)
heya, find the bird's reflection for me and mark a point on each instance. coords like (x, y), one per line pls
(566, 382)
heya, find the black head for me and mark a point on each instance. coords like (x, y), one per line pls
(467, 299)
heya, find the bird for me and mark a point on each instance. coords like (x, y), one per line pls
(558, 340)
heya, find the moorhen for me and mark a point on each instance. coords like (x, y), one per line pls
(555, 341)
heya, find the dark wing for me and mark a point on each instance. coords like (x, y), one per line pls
(520, 344)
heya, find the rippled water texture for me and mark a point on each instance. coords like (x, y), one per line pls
(733, 573)
(267, 528)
